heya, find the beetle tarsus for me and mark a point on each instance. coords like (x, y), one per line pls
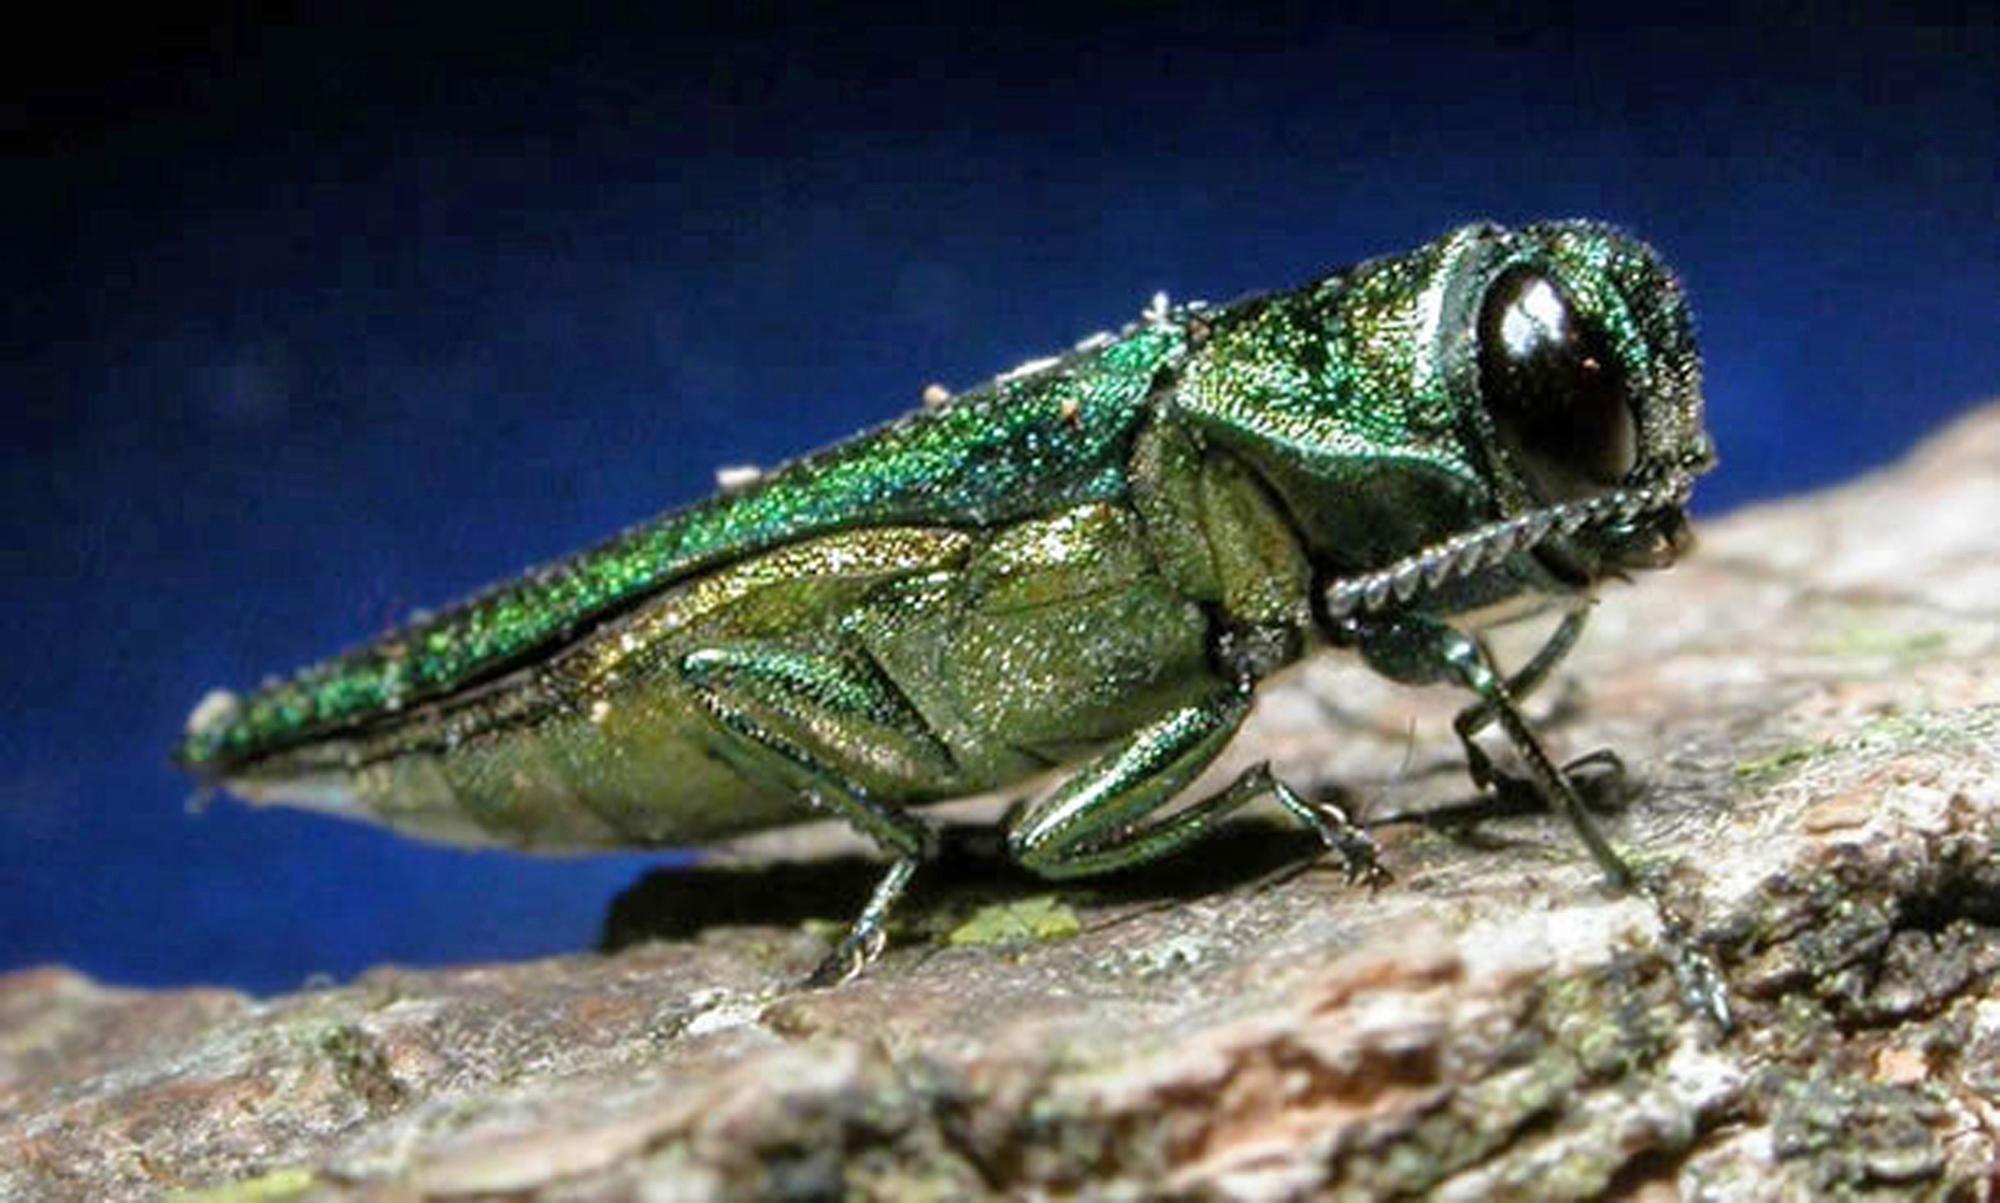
(1360, 856)
(866, 939)
(1598, 777)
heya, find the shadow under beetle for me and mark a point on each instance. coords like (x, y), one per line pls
(1089, 561)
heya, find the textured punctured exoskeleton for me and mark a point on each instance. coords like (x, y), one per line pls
(1089, 562)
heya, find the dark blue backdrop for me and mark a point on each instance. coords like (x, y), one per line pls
(316, 321)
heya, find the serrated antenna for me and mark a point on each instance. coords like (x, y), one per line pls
(1485, 546)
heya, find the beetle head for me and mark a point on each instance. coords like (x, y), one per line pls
(1577, 343)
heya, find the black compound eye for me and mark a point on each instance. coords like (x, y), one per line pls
(1554, 389)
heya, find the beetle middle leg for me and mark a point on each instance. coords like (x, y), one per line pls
(826, 725)
(1100, 819)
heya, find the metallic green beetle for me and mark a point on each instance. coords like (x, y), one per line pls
(1089, 561)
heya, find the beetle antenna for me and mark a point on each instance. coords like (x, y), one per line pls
(1485, 546)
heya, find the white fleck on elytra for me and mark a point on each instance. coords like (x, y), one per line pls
(600, 710)
(1029, 368)
(732, 478)
(216, 708)
(936, 396)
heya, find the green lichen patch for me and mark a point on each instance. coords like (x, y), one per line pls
(273, 1187)
(1890, 734)
(1037, 920)
(1764, 771)
(1870, 641)
(363, 1067)
(1854, 1135)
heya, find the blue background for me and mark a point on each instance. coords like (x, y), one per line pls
(316, 320)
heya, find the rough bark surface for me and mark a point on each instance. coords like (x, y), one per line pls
(1810, 707)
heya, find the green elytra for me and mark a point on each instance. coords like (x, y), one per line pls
(1088, 562)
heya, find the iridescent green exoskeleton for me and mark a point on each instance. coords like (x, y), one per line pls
(1089, 562)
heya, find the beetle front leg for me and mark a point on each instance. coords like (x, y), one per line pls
(1099, 819)
(812, 723)
(1419, 650)
(1480, 714)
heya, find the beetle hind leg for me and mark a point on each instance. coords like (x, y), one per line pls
(833, 729)
(1102, 819)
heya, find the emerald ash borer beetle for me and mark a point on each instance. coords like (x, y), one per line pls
(1088, 562)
